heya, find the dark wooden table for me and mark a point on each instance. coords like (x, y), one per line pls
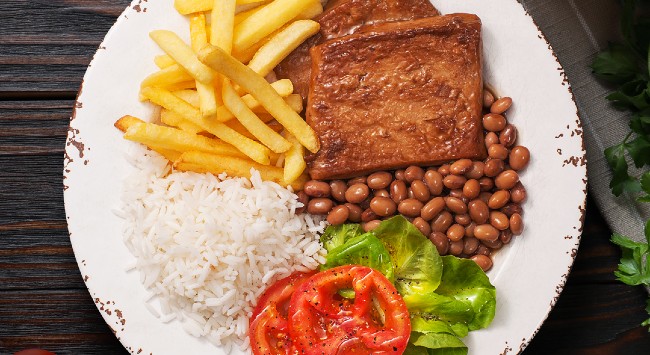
(45, 46)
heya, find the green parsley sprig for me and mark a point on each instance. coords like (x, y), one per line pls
(627, 65)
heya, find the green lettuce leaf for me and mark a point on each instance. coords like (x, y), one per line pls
(435, 344)
(335, 236)
(422, 325)
(364, 250)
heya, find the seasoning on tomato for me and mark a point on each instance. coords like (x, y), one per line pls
(268, 327)
(322, 322)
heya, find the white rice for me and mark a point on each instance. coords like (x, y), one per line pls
(207, 246)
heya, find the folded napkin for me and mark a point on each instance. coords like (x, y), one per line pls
(578, 30)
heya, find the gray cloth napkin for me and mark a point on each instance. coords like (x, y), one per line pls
(578, 30)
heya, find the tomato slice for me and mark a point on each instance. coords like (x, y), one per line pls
(321, 322)
(268, 327)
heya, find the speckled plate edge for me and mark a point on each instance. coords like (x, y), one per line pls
(530, 273)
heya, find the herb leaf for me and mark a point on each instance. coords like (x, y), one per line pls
(617, 64)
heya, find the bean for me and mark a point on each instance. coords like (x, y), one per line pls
(357, 180)
(455, 232)
(420, 191)
(505, 236)
(458, 193)
(486, 183)
(488, 98)
(469, 230)
(442, 222)
(379, 180)
(471, 189)
(399, 174)
(493, 167)
(485, 196)
(519, 157)
(499, 199)
(315, 188)
(456, 248)
(460, 167)
(441, 242)
(444, 170)
(479, 211)
(506, 180)
(433, 179)
(483, 250)
(483, 261)
(498, 151)
(456, 205)
(454, 181)
(304, 199)
(320, 205)
(486, 232)
(337, 188)
(494, 122)
(398, 191)
(338, 215)
(516, 224)
(491, 138)
(463, 219)
(413, 173)
(501, 105)
(499, 220)
(476, 171)
(511, 209)
(357, 193)
(368, 215)
(383, 206)
(382, 193)
(355, 212)
(508, 136)
(370, 225)
(410, 207)
(518, 193)
(470, 245)
(422, 225)
(432, 208)
(493, 244)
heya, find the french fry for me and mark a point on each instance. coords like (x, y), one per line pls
(247, 54)
(283, 87)
(127, 121)
(191, 96)
(270, 18)
(294, 160)
(295, 102)
(253, 124)
(186, 7)
(185, 85)
(206, 92)
(223, 17)
(182, 53)
(281, 45)
(269, 120)
(263, 92)
(170, 155)
(166, 99)
(163, 61)
(170, 75)
(314, 9)
(233, 166)
(173, 119)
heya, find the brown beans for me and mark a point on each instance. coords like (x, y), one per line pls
(370, 225)
(357, 180)
(486, 183)
(413, 173)
(399, 174)
(432, 208)
(456, 248)
(493, 167)
(368, 215)
(320, 205)
(455, 232)
(491, 138)
(357, 193)
(379, 180)
(398, 191)
(355, 212)
(383, 206)
(463, 219)
(442, 221)
(519, 157)
(479, 211)
(485, 196)
(501, 105)
(499, 199)
(516, 224)
(338, 215)
(441, 242)
(470, 245)
(488, 98)
(494, 122)
(493, 244)
(420, 191)
(506, 180)
(518, 193)
(314, 188)
(422, 225)
(505, 236)
(498, 151)
(456, 205)
(471, 189)
(304, 199)
(508, 136)
(483, 261)
(460, 167)
(511, 209)
(499, 220)
(454, 181)
(469, 230)
(410, 207)
(476, 171)
(444, 170)
(433, 179)
(486, 232)
(483, 250)
(338, 188)
(382, 193)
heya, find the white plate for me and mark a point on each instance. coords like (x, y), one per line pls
(529, 273)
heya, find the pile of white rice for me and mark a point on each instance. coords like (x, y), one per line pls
(206, 247)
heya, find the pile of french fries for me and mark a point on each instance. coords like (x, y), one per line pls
(218, 111)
